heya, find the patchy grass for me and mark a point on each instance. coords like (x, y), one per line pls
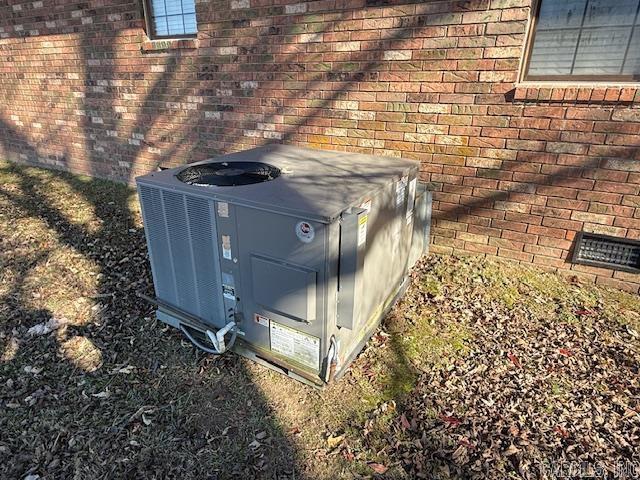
(113, 393)
(527, 358)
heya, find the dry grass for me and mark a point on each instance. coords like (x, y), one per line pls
(112, 393)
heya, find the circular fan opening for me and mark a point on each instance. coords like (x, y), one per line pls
(228, 174)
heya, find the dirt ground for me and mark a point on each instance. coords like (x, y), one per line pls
(485, 369)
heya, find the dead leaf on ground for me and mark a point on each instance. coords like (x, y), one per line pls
(514, 359)
(378, 468)
(450, 420)
(334, 441)
(405, 423)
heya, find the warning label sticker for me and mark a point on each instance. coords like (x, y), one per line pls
(228, 292)
(362, 229)
(304, 349)
(362, 222)
(264, 321)
(366, 205)
(223, 209)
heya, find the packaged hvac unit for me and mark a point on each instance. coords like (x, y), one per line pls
(285, 255)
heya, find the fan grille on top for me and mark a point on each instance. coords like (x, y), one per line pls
(228, 174)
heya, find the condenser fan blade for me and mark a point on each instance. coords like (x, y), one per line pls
(227, 174)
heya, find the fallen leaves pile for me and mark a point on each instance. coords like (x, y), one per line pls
(534, 392)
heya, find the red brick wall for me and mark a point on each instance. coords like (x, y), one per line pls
(517, 171)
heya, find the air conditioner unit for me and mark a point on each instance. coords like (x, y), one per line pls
(288, 256)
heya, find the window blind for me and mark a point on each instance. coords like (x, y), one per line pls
(586, 37)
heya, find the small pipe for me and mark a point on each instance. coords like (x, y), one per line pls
(186, 319)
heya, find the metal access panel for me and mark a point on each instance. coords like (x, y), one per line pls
(284, 288)
(284, 294)
(384, 242)
(421, 224)
(353, 231)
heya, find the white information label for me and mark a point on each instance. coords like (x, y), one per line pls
(362, 229)
(304, 349)
(264, 321)
(223, 209)
(226, 247)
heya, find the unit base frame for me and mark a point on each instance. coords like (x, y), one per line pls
(279, 365)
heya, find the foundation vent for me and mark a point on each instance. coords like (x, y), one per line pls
(608, 252)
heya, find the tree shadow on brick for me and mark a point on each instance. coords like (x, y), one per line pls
(363, 65)
(506, 198)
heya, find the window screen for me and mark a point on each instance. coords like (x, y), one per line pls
(172, 18)
(585, 38)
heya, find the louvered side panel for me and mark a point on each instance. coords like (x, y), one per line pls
(207, 264)
(157, 243)
(180, 245)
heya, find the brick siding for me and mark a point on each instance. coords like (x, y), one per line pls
(517, 171)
